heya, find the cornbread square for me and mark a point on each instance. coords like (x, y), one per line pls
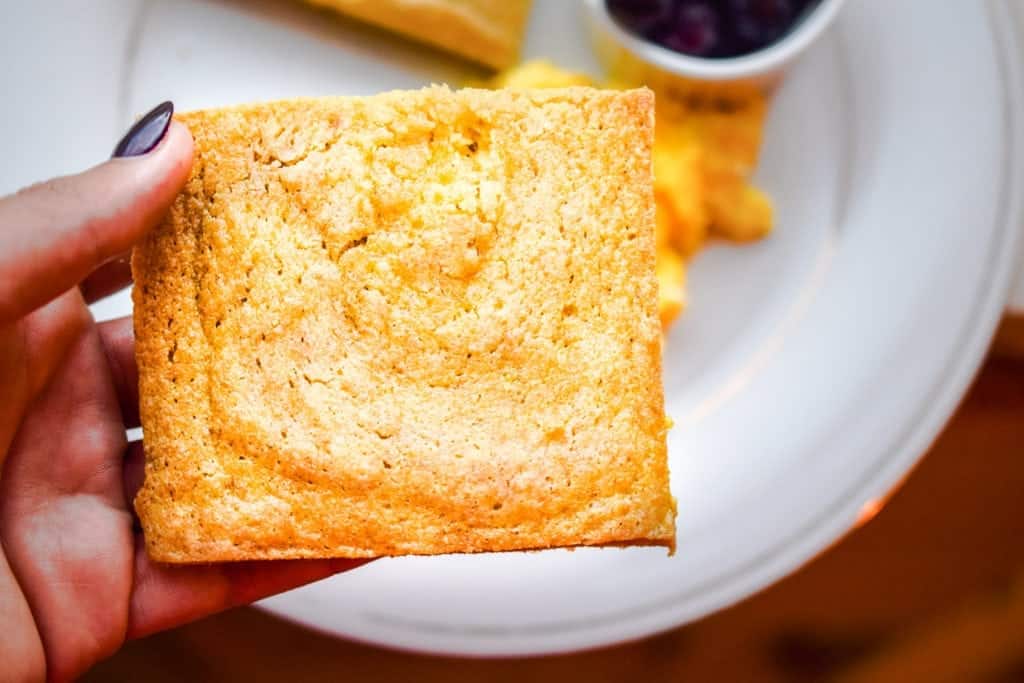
(489, 32)
(416, 323)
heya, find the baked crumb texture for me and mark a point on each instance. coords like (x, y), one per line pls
(416, 323)
(489, 32)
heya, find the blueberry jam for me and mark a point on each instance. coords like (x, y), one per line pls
(710, 28)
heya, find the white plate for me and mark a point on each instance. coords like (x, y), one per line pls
(811, 371)
(1016, 302)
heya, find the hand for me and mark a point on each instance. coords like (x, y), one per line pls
(75, 581)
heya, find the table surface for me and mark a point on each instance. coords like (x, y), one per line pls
(929, 589)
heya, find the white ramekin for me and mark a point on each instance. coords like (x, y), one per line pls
(633, 60)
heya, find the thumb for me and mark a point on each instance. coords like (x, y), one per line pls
(52, 235)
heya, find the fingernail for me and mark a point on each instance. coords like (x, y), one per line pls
(147, 133)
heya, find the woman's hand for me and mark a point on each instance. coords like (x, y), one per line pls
(75, 581)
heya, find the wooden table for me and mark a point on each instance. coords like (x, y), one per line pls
(930, 589)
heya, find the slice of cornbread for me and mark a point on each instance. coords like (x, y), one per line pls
(421, 322)
(486, 31)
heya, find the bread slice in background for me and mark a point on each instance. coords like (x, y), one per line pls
(489, 32)
(416, 323)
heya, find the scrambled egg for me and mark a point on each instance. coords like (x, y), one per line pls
(704, 154)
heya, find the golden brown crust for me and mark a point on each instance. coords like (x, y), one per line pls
(486, 31)
(416, 323)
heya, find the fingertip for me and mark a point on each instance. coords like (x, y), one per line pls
(181, 146)
(156, 179)
(63, 229)
(165, 170)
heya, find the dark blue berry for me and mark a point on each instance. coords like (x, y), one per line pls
(694, 31)
(642, 16)
(710, 28)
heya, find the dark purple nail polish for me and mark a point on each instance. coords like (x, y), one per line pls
(147, 133)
